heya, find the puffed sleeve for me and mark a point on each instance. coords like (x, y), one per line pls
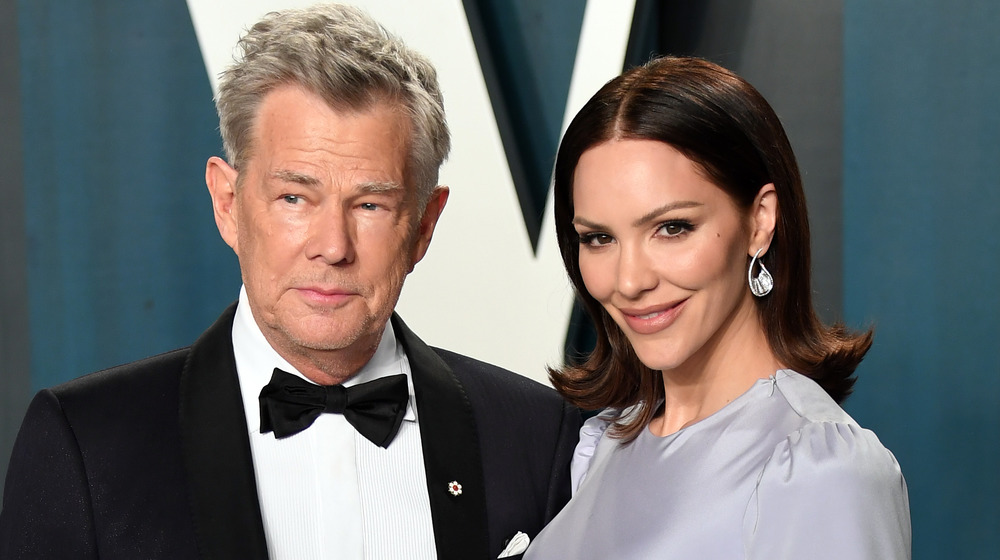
(590, 435)
(829, 491)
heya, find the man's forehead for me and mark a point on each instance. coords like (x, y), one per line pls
(294, 124)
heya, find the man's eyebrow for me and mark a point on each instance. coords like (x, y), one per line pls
(370, 187)
(294, 177)
(378, 187)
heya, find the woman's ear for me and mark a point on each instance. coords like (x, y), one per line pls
(763, 217)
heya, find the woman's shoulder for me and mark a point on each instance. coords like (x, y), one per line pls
(591, 433)
(829, 481)
(835, 485)
(594, 440)
(807, 399)
(826, 439)
(839, 452)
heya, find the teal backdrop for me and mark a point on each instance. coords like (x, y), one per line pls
(123, 257)
(109, 251)
(922, 255)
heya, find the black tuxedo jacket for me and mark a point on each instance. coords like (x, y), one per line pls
(152, 459)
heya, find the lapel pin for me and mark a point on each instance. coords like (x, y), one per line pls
(454, 488)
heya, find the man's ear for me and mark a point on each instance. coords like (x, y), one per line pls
(763, 217)
(435, 205)
(221, 181)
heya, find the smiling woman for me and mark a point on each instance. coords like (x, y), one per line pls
(676, 190)
(672, 277)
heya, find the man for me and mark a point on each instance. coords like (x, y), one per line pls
(247, 444)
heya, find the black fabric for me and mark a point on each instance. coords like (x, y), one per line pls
(518, 458)
(152, 459)
(290, 404)
(524, 437)
(215, 446)
(450, 436)
(88, 477)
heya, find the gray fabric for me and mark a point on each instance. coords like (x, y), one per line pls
(781, 472)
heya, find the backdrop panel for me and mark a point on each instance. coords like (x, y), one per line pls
(123, 257)
(922, 257)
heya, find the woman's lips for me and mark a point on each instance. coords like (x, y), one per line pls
(649, 320)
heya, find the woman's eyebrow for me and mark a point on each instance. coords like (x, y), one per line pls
(657, 212)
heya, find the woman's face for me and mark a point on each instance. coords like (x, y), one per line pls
(664, 251)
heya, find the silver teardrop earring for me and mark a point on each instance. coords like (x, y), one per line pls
(762, 284)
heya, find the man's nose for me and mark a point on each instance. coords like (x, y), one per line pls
(331, 235)
(635, 272)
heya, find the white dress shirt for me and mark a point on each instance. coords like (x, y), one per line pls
(327, 492)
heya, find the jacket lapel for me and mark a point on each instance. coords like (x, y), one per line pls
(451, 452)
(216, 449)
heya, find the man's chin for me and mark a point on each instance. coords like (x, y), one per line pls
(324, 342)
(323, 337)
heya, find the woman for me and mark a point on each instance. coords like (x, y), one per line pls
(682, 224)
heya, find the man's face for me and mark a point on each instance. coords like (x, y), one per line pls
(326, 226)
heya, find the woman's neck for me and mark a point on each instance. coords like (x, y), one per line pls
(722, 370)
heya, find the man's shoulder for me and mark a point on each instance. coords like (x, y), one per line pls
(116, 410)
(474, 375)
(155, 379)
(479, 376)
(150, 374)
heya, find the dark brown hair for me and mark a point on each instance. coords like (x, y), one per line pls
(721, 123)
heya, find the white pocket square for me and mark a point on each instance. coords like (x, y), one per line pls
(516, 545)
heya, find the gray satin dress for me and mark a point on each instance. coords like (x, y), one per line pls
(782, 472)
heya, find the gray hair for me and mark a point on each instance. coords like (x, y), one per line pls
(343, 55)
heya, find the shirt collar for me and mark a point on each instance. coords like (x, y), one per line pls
(256, 360)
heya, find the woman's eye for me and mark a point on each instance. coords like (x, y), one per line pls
(673, 229)
(595, 239)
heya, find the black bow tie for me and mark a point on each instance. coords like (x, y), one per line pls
(290, 404)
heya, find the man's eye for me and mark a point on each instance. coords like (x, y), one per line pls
(292, 199)
(371, 206)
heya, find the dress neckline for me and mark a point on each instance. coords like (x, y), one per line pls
(731, 408)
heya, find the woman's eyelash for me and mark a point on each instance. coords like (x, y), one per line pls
(594, 238)
(669, 228)
(673, 228)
